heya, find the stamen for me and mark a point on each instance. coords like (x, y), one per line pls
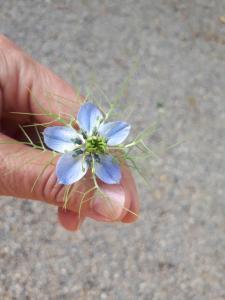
(77, 141)
(77, 152)
(97, 158)
(96, 145)
(84, 134)
(88, 160)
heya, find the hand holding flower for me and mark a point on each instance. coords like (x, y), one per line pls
(21, 77)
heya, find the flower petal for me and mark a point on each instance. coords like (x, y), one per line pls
(70, 169)
(89, 117)
(115, 132)
(107, 169)
(59, 138)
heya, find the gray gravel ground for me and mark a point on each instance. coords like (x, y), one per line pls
(176, 249)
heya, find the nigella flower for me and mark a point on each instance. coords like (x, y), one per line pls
(88, 147)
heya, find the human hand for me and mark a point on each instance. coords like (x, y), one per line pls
(21, 80)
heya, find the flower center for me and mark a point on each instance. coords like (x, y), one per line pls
(96, 145)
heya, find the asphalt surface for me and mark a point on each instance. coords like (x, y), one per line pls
(176, 249)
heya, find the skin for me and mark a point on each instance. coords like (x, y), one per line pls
(22, 80)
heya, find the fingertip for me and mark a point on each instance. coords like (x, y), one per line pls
(69, 220)
(128, 182)
(130, 217)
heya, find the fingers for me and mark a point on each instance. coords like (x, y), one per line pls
(21, 166)
(29, 173)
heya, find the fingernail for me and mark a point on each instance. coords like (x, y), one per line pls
(110, 202)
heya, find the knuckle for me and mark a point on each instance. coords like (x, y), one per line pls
(52, 192)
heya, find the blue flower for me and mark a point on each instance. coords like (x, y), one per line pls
(88, 147)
